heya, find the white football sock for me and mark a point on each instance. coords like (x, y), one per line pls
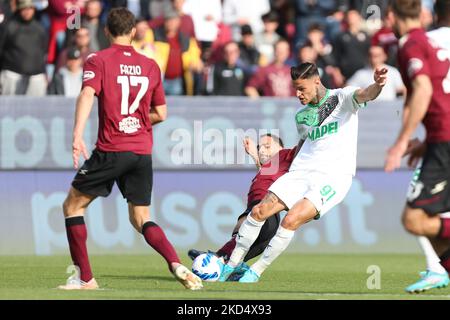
(277, 245)
(430, 255)
(248, 232)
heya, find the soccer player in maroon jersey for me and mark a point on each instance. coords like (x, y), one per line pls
(131, 99)
(425, 70)
(273, 161)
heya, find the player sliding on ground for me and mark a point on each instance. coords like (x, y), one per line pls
(272, 161)
(130, 100)
(321, 172)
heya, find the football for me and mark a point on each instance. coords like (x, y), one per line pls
(207, 267)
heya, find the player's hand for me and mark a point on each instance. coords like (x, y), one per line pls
(78, 148)
(380, 76)
(250, 147)
(415, 150)
(394, 156)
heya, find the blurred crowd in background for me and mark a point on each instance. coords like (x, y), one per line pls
(203, 47)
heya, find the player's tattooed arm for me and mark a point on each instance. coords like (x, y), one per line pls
(83, 108)
(372, 91)
(252, 150)
(158, 114)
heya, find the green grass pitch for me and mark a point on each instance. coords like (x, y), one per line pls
(292, 276)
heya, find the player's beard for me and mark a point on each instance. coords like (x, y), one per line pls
(264, 158)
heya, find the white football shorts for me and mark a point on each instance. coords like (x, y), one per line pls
(323, 190)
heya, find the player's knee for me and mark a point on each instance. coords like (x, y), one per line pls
(412, 223)
(290, 222)
(135, 224)
(259, 212)
(68, 208)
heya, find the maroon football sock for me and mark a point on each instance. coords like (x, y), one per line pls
(77, 236)
(227, 248)
(444, 232)
(156, 238)
(445, 260)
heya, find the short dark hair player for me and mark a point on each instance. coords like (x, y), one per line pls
(131, 99)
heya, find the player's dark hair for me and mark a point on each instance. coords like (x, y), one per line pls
(120, 22)
(306, 70)
(406, 8)
(442, 9)
(274, 137)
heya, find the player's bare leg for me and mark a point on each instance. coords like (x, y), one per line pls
(74, 208)
(249, 231)
(428, 229)
(431, 232)
(417, 222)
(156, 238)
(302, 212)
(250, 228)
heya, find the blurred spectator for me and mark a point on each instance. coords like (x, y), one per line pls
(156, 8)
(266, 40)
(223, 37)
(68, 80)
(91, 20)
(59, 12)
(363, 78)
(370, 10)
(316, 39)
(308, 12)
(352, 46)
(143, 39)
(140, 8)
(41, 14)
(5, 10)
(250, 56)
(275, 79)
(177, 54)
(80, 40)
(385, 38)
(237, 13)
(186, 22)
(206, 14)
(335, 22)
(308, 54)
(286, 11)
(23, 44)
(228, 77)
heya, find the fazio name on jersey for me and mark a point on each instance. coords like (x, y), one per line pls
(130, 70)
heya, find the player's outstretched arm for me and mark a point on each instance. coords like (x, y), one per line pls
(83, 108)
(158, 114)
(417, 103)
(371, 92)
(252, 150)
